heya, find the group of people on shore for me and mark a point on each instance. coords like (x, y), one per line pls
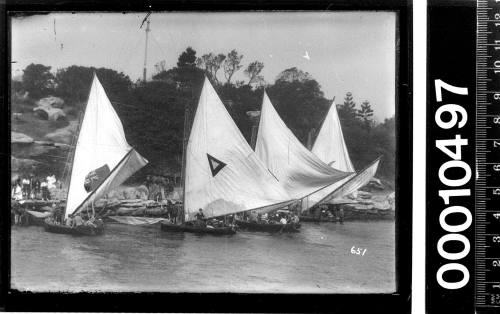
(32, 187)
(158, 187)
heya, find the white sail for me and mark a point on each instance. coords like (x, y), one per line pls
(103, 159)
(298, 170)
(330, 145)
(348, 186)
(223, 174)
(357, 181)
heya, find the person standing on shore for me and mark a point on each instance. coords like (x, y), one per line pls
(45, 191)
(37, 188)
(17, 191)
(26, 187)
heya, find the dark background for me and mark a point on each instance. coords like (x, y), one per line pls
(451, 44)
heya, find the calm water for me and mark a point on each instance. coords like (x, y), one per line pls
(129, 258)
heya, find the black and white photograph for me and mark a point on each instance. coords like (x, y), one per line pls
(204, 152)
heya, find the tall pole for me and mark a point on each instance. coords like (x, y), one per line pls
(183, 169)
(146, 52)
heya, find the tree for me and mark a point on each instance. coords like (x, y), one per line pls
(187, 58)
(211, 63)
(153, 119)
(365, 113)
(232, 64)
(299, 101)
(253, 72)
(347, 111)
(38, 81)
(294, 75)
(160, 67)
(73, 83)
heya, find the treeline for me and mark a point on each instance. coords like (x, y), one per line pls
(153, 113)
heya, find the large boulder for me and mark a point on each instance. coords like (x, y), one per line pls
(51, 101)
(22, 164)
(49, 113)
(20, 138)
(63, 135)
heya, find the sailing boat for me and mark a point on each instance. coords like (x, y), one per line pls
(330, 147)
(102, 161)
(299, 171)
(223, 175)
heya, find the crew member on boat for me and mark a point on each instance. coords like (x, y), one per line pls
(253, 216)
(78, 221)
(200, 218)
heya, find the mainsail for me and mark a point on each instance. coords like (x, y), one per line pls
(103, 159)
(330, 147)
(223, 174)
(298, 170)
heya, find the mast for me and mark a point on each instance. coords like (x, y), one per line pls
(70, 173)
(146, 51)
(66, 175)
(183, 170)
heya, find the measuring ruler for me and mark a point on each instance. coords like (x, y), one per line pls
(487, 231)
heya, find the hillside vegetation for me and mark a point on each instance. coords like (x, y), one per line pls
(153, 112)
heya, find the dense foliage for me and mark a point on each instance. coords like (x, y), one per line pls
(154, 112)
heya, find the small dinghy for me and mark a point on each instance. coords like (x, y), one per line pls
(85, 230)
(268, 227)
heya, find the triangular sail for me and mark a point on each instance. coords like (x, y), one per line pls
(298, 170)
(103, 159)
(223, 174)
(330, 145)
(331, 148)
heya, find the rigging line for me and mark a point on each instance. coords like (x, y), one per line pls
(158, 44)
(123, 46)
(169, 35)
(132, 50)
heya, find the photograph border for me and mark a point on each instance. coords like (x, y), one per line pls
(398, 302)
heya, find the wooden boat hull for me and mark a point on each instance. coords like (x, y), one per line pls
(76, 231)
(316, 219)
(170, 227)
(263, 227)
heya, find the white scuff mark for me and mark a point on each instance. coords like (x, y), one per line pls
(306, 56)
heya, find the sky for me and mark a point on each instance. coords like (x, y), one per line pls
(348, 51)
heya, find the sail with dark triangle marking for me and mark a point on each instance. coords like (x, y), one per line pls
(223, 174)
